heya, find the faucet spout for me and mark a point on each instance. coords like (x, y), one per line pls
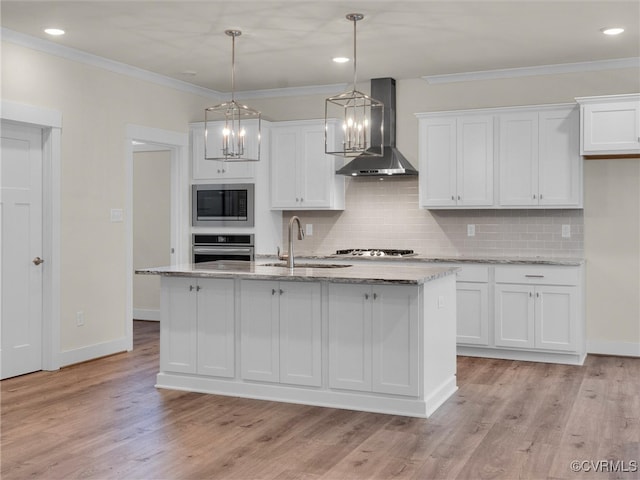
(290, 259)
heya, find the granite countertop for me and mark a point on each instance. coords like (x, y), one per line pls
(356, 273)
(559, 261)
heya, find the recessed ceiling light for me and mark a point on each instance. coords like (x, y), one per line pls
(612, 30)
(54, 31)
(340, 59)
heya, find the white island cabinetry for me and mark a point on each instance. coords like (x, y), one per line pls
(197, 328)
(280, 332)
(374, 338)
(370, 338)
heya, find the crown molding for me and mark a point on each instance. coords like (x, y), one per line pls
(631, 62)
(106, 64)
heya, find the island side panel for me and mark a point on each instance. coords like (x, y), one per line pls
(439, 341)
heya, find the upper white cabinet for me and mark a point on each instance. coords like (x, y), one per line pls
(538, 158)
(456, 160)
(302, 175)
(520, 157)
(217, 170)
(610, 125)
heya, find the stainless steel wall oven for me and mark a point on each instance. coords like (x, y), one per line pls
(211, 247)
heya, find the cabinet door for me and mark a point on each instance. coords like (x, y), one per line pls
(514, 316)
(349, 337)
(395, 340)
(213, 169)
(611, 127)
(315, 169)
(259, 339)
(300, 334)
(216, 335)
(178, 325)
(475, 160)
(556, 317)
(559, 162)
(437, 162)
(472, 313)
(518, 159)
(284, 155)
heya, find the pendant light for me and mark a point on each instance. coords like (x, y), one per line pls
(358, 113)
(231, 130)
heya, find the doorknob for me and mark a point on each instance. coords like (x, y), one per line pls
(37, 261)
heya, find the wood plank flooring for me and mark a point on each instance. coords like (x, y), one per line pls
(105, 419)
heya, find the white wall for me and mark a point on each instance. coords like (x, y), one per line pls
(96, 106)
(151, 224)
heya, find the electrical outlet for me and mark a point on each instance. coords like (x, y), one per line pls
(79, 319)
(440, 301)
(117, 215)
(308, 229)
(471, 230)
(566, 231)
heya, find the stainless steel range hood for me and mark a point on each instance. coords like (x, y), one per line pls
(392, 162)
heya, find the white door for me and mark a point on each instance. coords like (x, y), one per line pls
(21, 242)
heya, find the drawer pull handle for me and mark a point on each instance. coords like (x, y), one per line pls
(534, 276)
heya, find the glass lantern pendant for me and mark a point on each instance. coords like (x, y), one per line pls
(357, 114)
(232, 130)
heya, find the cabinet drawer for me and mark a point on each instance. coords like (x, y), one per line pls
(472, 273)
(537, 275)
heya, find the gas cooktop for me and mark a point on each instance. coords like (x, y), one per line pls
(376, 252)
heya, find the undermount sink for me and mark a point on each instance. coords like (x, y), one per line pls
(306, 265)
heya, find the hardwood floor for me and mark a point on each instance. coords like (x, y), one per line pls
(105, 419)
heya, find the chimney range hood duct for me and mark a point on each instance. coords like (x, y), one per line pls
(392, 162)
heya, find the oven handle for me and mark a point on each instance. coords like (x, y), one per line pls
(223, 250)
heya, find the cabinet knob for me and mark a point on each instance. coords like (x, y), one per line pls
(281, 291)
(453, 198)
(366, 296)
(301, 199)
(273, 291)
(191, 288)
(530, 294)
(218, 170)
(375, 296)
(459, 197)
(538, 294)
(534, 196)
(198, 288)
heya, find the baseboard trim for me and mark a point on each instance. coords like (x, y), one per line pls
(522, 355)
(91, 352)
(620, 349)
(146, 314)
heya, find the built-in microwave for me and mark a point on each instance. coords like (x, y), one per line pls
(222, 205)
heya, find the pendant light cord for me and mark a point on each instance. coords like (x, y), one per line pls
(355, 20)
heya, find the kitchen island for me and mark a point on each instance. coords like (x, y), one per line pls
(361, 337)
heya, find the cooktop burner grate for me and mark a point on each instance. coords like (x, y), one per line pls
(375, 252)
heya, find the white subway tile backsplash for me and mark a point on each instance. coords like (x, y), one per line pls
(385, 214)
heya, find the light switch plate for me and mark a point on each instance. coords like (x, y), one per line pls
(117, 215)
(308, 229)
(566, 231)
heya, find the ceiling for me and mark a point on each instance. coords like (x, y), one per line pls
(290, 43)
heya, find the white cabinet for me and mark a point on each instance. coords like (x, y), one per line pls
(610, 125)
(538, 158)
(456, 160)
(541, 311)
(280, 324)
(302, 175)
(472, 301)
(197, 326)
(374, 338)
(217, 170)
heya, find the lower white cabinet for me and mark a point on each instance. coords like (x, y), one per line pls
(280, 332)
(374, 338)
(197, 328)
(535, 315)
(472, 305)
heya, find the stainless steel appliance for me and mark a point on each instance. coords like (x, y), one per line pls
(376, 252)
(223, 205)
(212, 247)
